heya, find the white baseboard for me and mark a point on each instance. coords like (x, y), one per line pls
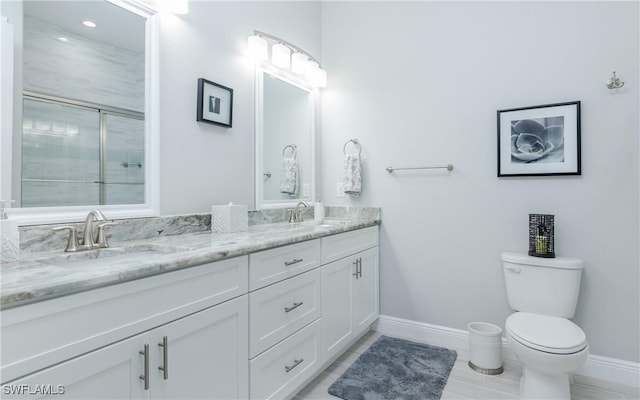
(596, 369)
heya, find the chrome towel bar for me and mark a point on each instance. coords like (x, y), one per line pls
(449, 167)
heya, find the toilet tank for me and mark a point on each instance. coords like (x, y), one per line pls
(547, 286)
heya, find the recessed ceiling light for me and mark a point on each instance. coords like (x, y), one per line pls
(90, 24)
(63, 39)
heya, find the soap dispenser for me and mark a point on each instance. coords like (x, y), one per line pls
(318, 211)
(9, 239)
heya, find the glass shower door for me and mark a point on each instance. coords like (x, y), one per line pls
(60, 155)
(124, 160)
(77, 154)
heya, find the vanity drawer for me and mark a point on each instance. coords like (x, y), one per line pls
(282, 369)
(279, 310)
(271, 266)
(345, 244)
(41, 334)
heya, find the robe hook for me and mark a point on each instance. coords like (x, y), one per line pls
(614, 82)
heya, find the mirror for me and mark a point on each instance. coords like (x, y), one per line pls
(285, 140)
(84, 109)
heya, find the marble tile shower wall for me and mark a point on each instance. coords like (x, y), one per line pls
(81, 69)
(61, 143)
(37, 238)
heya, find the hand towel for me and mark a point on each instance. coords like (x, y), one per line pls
(289, 177)
(352, 181)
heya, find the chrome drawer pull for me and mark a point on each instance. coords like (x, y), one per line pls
(295, 364)
(165, 358)
(357, 264)
(295, 305)
(145, 377)
(295, 261)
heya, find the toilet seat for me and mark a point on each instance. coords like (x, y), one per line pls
(546, 333)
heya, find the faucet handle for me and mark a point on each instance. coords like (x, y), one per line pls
(101, 238)
(72, 242)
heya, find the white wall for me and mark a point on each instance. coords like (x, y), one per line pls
(203, 164)
(419, 83)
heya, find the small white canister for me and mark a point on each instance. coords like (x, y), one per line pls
(229, 218)
(485, 348)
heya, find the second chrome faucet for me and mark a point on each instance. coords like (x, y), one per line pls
(88, 242)
(295, 215)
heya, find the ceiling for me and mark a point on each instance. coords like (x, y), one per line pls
(114, 25)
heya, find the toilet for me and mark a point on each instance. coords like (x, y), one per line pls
(544, 293)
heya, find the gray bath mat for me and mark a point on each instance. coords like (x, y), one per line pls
(394, 369)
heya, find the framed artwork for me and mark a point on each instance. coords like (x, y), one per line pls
(215, 103)
(539, 140)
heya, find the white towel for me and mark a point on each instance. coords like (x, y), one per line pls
(352, 181)
(289, 178)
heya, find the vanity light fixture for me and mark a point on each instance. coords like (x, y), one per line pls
(300, 63)
(281, 55)
(315, 75)
(258, 48)
(180, 7)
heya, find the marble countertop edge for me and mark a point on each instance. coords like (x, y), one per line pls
(28, 280)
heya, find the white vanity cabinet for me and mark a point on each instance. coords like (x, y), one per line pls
(201, 354)
(350, 289)
(259, 326)
(111, 342)
(284, 327)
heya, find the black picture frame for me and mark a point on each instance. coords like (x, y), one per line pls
(541, 140)
(215, 103)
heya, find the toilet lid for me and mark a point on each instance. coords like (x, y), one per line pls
(545, 333)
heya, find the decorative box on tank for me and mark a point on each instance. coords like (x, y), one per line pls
(541, 235)
(229, 218)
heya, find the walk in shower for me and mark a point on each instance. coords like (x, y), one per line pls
(78, 153)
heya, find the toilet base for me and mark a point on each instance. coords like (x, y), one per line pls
(537, 385)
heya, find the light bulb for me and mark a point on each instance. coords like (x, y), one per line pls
(281, 55)
(258, 48)
(299, 63)
(312, 66)
(172, 6)
(318, 77)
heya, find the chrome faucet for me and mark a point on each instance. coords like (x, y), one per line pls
(88, 242)
(94, 215)
(295, 215)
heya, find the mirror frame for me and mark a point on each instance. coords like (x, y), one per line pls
(151, 206)
(260, 70)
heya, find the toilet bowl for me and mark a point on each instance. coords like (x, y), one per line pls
(544, 294)
(550, 348)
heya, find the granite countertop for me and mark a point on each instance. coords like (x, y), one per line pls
(45, 275)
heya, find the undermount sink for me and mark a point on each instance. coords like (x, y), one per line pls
(111, 255)
(325, 223)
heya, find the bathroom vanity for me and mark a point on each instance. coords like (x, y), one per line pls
(254, 315)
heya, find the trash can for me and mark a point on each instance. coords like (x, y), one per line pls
(485, 348)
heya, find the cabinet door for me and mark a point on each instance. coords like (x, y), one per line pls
(366, 291)
(337, 317)
(112, 372)
(206, 354)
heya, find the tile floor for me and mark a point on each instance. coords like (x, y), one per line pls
(463, 382)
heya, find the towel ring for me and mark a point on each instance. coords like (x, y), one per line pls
(293, 148)
(355, 142)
